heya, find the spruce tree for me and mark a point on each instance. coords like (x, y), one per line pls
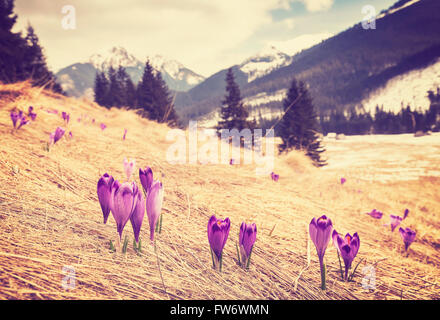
(101, 89)
(35, 66)
(12, 45)
(299, 126)
(233, 113)
(163, 110)
(130, 92)
(145, 90)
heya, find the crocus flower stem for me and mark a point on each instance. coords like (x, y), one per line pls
(322, 265)
(340, 265)
(238, 254)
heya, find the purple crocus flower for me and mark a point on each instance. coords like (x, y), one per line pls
(408, 236)
(320, 231)
(154, 205)
(14, 117)
(405, 214)
(146, 178)
(66, 117)
(123, 203)
(70, 134)
(23, 121)
(31, 113)
(138, 215)
(274, 176)
(104, 194)
(247, 237)
(375, 214)
(218, 231)
(231, 162)
(395, 221)
(129, 167)
(103, 126)
(343, 180)
(57, 135)
(347, 247)
(125, 134)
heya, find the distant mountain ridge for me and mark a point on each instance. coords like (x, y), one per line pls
(341, 71)
(78, 79)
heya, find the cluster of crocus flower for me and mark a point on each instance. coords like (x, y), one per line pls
(65, 116)
(18, 119)
(126, 202)
(274, 176)
(218, 232)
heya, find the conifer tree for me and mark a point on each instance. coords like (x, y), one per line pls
(299, 126)
(101, 89)
(145, 90)
(233, 113)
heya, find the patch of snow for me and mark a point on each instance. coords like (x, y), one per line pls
(410, 88)
(269, 59)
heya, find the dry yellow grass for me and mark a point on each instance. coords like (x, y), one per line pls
(50, 218)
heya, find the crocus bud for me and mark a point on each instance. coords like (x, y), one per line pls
(348, 247)
(405, 214)
(154, 205)
(123, 203)
(247, 237)
(375, 214)
(408, 236)
(320, 231)
(129, 167)
(218, 231)
(146, 178)
(274, 176)
(395, 221)
(57, 135)
(23, 121)
(66, 117)
(14, 117)
(104, 194)
(138, 215)
(125, 134)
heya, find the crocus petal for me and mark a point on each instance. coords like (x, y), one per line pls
(247, 237)
(218, 232)
(146, 178)
(104, 191)
(138, 215)
(154, 205)
(320, 231)
(123, 204)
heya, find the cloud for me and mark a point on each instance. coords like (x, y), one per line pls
(317, 5)
(299, 43)
(201, 34)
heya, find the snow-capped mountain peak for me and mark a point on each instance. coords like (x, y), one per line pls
(267, 60)
(115, 57)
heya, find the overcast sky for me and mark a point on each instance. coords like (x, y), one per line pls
(204, 35)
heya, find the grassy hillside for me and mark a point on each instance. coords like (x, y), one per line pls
(50, 217)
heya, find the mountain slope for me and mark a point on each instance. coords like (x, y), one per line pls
(50, 216)
(343, 70)
(78, 79)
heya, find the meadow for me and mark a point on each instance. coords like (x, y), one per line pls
(50, 216)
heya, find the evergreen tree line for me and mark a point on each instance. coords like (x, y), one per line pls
(22, 57)
(150, 96)
(385, 122)
(298, 128)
